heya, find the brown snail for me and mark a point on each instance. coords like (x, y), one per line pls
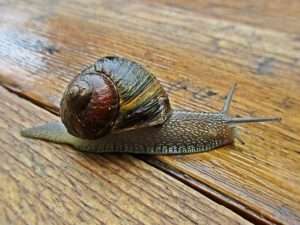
(116, 105)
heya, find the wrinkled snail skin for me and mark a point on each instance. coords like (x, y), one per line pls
(183, 132)
(116, 105)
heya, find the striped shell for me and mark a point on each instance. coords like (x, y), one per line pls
(113, 95)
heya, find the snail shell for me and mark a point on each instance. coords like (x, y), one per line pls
(112, 95)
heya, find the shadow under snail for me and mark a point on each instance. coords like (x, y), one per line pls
(116, 105)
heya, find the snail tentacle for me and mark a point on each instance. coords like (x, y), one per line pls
(228, 100)
(241, 120)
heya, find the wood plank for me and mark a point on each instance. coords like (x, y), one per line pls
(194, 54)
(42, 183)
(271, 15)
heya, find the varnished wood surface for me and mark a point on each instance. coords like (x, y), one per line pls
(198, 49)
(43, 183)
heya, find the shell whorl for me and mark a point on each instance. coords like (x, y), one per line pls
(113, 95)
(89, 106)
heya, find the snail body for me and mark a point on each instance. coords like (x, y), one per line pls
(116, 105)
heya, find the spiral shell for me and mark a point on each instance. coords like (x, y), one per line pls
(113, 95)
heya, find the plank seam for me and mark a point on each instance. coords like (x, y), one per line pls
(212, 193)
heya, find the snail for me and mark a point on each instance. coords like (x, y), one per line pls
(116, 105)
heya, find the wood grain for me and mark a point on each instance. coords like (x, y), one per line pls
(262, 14)
(42, 183)
(198, 50)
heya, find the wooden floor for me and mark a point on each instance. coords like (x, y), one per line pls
(197, 49)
